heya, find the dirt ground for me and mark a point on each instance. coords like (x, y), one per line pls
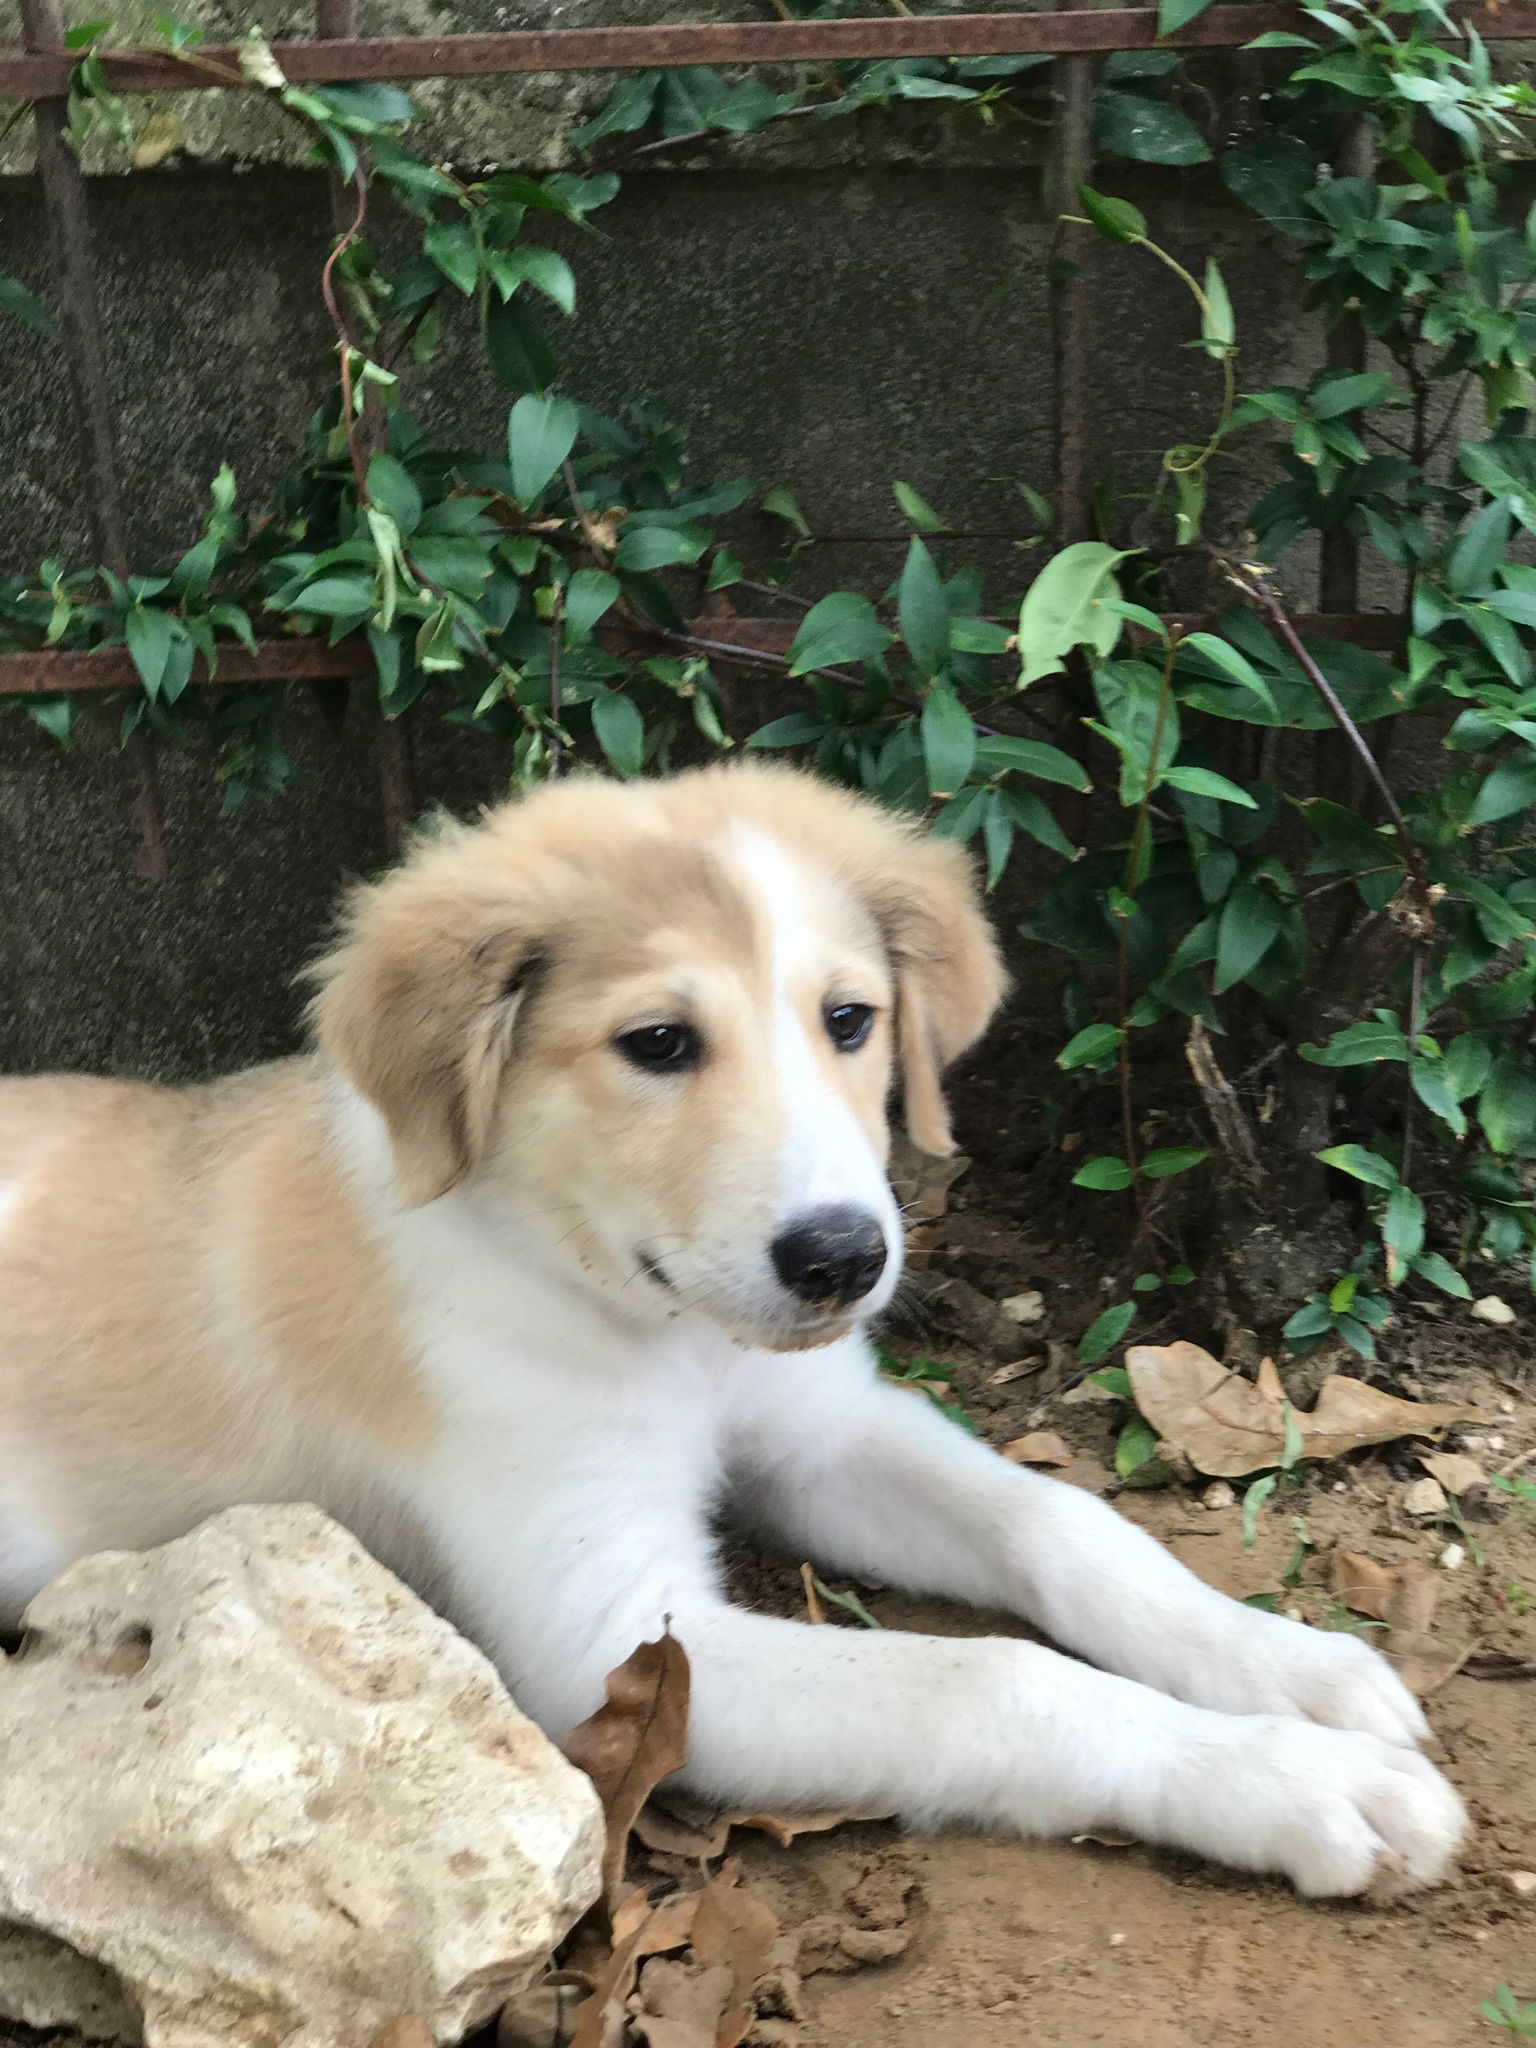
(981, 1942)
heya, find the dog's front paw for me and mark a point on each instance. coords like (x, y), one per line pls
(1338, 1813)
(1266, 1664)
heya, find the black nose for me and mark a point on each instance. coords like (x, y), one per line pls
(832, 1256)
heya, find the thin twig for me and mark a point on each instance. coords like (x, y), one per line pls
(556, 634)
(344, 242)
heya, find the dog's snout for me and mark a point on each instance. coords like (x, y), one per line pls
(832, 1256)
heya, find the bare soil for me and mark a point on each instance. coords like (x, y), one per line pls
(971, 1942)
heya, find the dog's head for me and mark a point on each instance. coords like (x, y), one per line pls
(658, 1022)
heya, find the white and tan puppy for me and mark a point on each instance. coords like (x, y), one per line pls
(561, 1241)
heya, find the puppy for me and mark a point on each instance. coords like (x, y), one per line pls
(563, 1238)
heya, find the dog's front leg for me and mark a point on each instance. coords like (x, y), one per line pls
(849, 1469)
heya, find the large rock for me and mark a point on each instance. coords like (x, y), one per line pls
(254, 1777)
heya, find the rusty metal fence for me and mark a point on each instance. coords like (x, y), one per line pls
(1075, 31)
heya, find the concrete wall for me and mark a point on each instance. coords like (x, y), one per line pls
(825, 312)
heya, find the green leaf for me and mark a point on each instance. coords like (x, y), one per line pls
(1203, 782)
(783, 506)
(923, 612)
(644, 548)
(1114, 1379)
(392, 489)
(1509, 788)
(1172, 1159)
(1031, 816)
(949, 742)
(1403, 1226)
(149, 635)
(1150, 131)
(1506, 1108)
(515, 343)
(589, 594)
(16, 300)
(918, 510)
(1000, 752)
(335, 597)
(541, 432)
(1136, 1446)
(543, 269)
(1105, 1332)
(1358, 1045)
(1116, 219)
(1217, 326)
(1479, 551)
(842, 627)
(1063, 608)
(1106, 1173)
(451, 246)
(620, 732)
(1237, 666)
(798, 729)
(1441, 1273)
(1253, 1499)
(1468, 1062)
(1175, 14)
(1251, 921)
(1361, 1164)
(1093, 1042)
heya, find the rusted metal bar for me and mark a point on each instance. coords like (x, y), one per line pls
(1071, 297)
(394, 763)
(85, 356)
(294, 661)
(38, 73)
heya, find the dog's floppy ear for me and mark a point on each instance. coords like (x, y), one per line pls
(949, 977)
(416, 1007)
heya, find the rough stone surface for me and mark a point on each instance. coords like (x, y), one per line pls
(254, 1777)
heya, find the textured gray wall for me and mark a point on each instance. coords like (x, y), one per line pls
(865, 305)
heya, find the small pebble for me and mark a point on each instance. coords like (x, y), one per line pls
(1118, 1940)
(1492, 1309)
(1218, 1495)
(1339, 1486)
(1494, 1443)
(1453, 1557)
(1522, 1881)
(1028, 1307)
(1506, 1407)
(1291, 1613)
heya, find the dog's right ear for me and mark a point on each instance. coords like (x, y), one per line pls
(416, 1007)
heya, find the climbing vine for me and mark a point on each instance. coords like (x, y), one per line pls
(1306, 867)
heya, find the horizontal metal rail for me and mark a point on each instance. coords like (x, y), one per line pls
(56, 671)
(30, 74)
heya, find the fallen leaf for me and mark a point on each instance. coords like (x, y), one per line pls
(814, 1611)
(406, 2032)
(600, 2018)
(785, 1826)
(1456, 1472)
(1015, 1369)
(633, 1741)
(657, 1928)
(543, 2016)
(677, 1826)
(1499, 1664)
(1229, 1426)
(1107, 1838)
(921, 1182)
(161, 135)
(1039, 1447)
(1403, 1596)
(683, 2004)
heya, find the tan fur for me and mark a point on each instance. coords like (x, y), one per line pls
(189, 1291)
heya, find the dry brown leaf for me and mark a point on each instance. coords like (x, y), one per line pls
(637, 1738)
(785, 1826)
(920, 1181)
(1499, 1664)
(1229, 1426)
(543, 2016)
(1403, 1596)
(677, 1826)
(683, 2004)
(406, 2032)
(733, 1927)
(161, 136)
(1456, 1472)
(1039, 1447)
(814, 1611)
(600, 2019)
(656, 1928)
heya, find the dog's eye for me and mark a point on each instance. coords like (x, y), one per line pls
(849, 1024)
(661, 1047)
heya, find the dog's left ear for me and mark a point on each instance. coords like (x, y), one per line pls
(949, 976)
(416, 1006)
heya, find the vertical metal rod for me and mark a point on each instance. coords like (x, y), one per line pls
(85, 354)
(1071, 303)
(393, 755)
